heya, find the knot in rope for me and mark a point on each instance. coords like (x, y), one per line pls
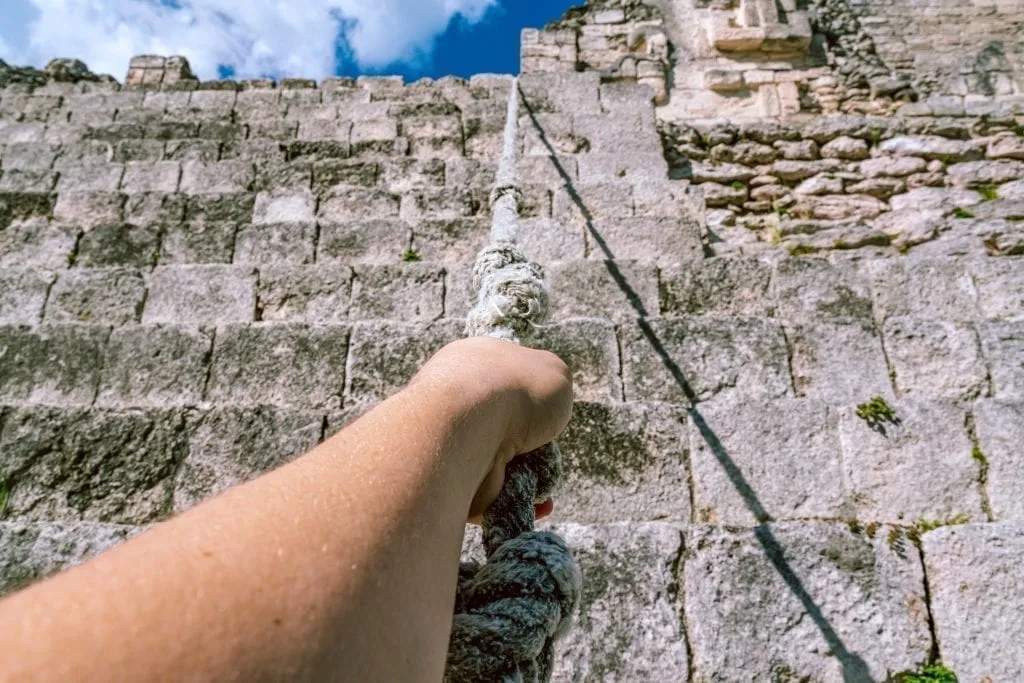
(510, 611)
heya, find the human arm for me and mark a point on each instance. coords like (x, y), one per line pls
(340, 565)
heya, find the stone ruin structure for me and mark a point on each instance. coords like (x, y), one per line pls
(785, 241)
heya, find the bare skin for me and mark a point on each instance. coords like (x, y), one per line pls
(339, 566)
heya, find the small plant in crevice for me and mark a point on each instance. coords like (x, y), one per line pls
(876, 412)
(737, 185)
(959, 212)
(988, 192)
(927, 673)
(5, 492)
(411, 256)
(979, 455)
(923, 526)
(801, 249)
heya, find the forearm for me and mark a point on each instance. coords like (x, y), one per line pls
(338, 566)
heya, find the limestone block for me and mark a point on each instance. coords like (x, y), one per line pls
(374, 135)
(185, 243)
(275, 243)
(628, 627)
(1000, 287)
(31, 552)
(976, 598)
(237, 208)
(304, 294)
(924, 287)
(403, 291)
(663, 241)
(192, 151)
(935, 358)
(112, 296)
(282, 206)
(442, 203)
(896, 167)
(998, 427)
(312, 129)
(216, 178)
(405, 174)
(640, 168)
(946, 199)
(155, 366)
(802, 601)
(22, 295)
(989, 210)
(431, 136)
(575, 93)
(933, 147)
(664, 198)
(616, 290)
(976, 174)
(724, 80)
(20, 180)
(357, 204)
(286, 365)
(668, 358)
(880, 188)
(792, 171)
(1003, 345)
(51, 364)
(820, 184)
(1005, 146)
(1012, 191)
(90, 178)
(590, 349)
(737, 482)
(801, 150)
(119, 244)
(229, 446)
(721, 173)
(384, 356)
(143, 176)
(918, 466)
(718, 286)
(200, 295)
(851, 149)
(451, 241)
(36, 244)
(459, 295)
(838, 361)
(363, 241)
(581, 203)
(103, 466)
(30, 156)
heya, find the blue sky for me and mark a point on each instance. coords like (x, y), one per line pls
(278, 38)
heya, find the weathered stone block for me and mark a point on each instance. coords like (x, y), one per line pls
(404, 291)
(718, 286)
(31, 552)
(748, 470)
(977, 600)
(87, 209)
(935, 358)
(98, 465)
(625, 461)
(19, 180)
(146, 176)
(664, 241)
(37, 243)
(229, 446)
(618, 290)
(984, 173)
(304, 294)
(120, 244)
(890, 166)
(223, 177)
(284, 207)
(548, 241)
(22, 295)
(90, 177)
(934, 147)
(112, 296)
(1003, 345)
(802, 601)
(812, 289)
(935, 288)
(451, 241)
(561, 92)
(917, 466)
(590, 349)
(374, 136)
(200, 242)
(358, 204)
(999, 426)
(669, 359)
(838, 362)
(155, 366)
(287, 365)
(383, 356)
(627, 628)
(51, 364)
(275, 243)
(1000, 287)
(200, 295)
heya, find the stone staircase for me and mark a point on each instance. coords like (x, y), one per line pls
(198, 285)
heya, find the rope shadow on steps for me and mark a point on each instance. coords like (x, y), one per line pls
(855, 669)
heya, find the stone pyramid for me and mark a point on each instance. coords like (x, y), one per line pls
(804, 218)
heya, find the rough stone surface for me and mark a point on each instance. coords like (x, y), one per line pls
(1000, 427)
(976, 597)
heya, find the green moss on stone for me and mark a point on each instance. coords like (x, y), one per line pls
(876, 411)
(928, 673)
(988, 193)
(962, 213)
(411, 256)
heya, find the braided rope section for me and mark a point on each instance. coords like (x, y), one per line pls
(511, 610)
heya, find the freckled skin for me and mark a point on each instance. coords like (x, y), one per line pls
(339, 566)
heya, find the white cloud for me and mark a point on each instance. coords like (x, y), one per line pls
(254, 37)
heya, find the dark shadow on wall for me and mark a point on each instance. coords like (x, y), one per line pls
(855, 669)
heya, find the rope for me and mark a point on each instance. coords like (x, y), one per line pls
(510, 611)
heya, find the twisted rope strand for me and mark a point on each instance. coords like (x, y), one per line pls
(510, 611)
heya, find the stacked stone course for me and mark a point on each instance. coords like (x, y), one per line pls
(201, 280)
